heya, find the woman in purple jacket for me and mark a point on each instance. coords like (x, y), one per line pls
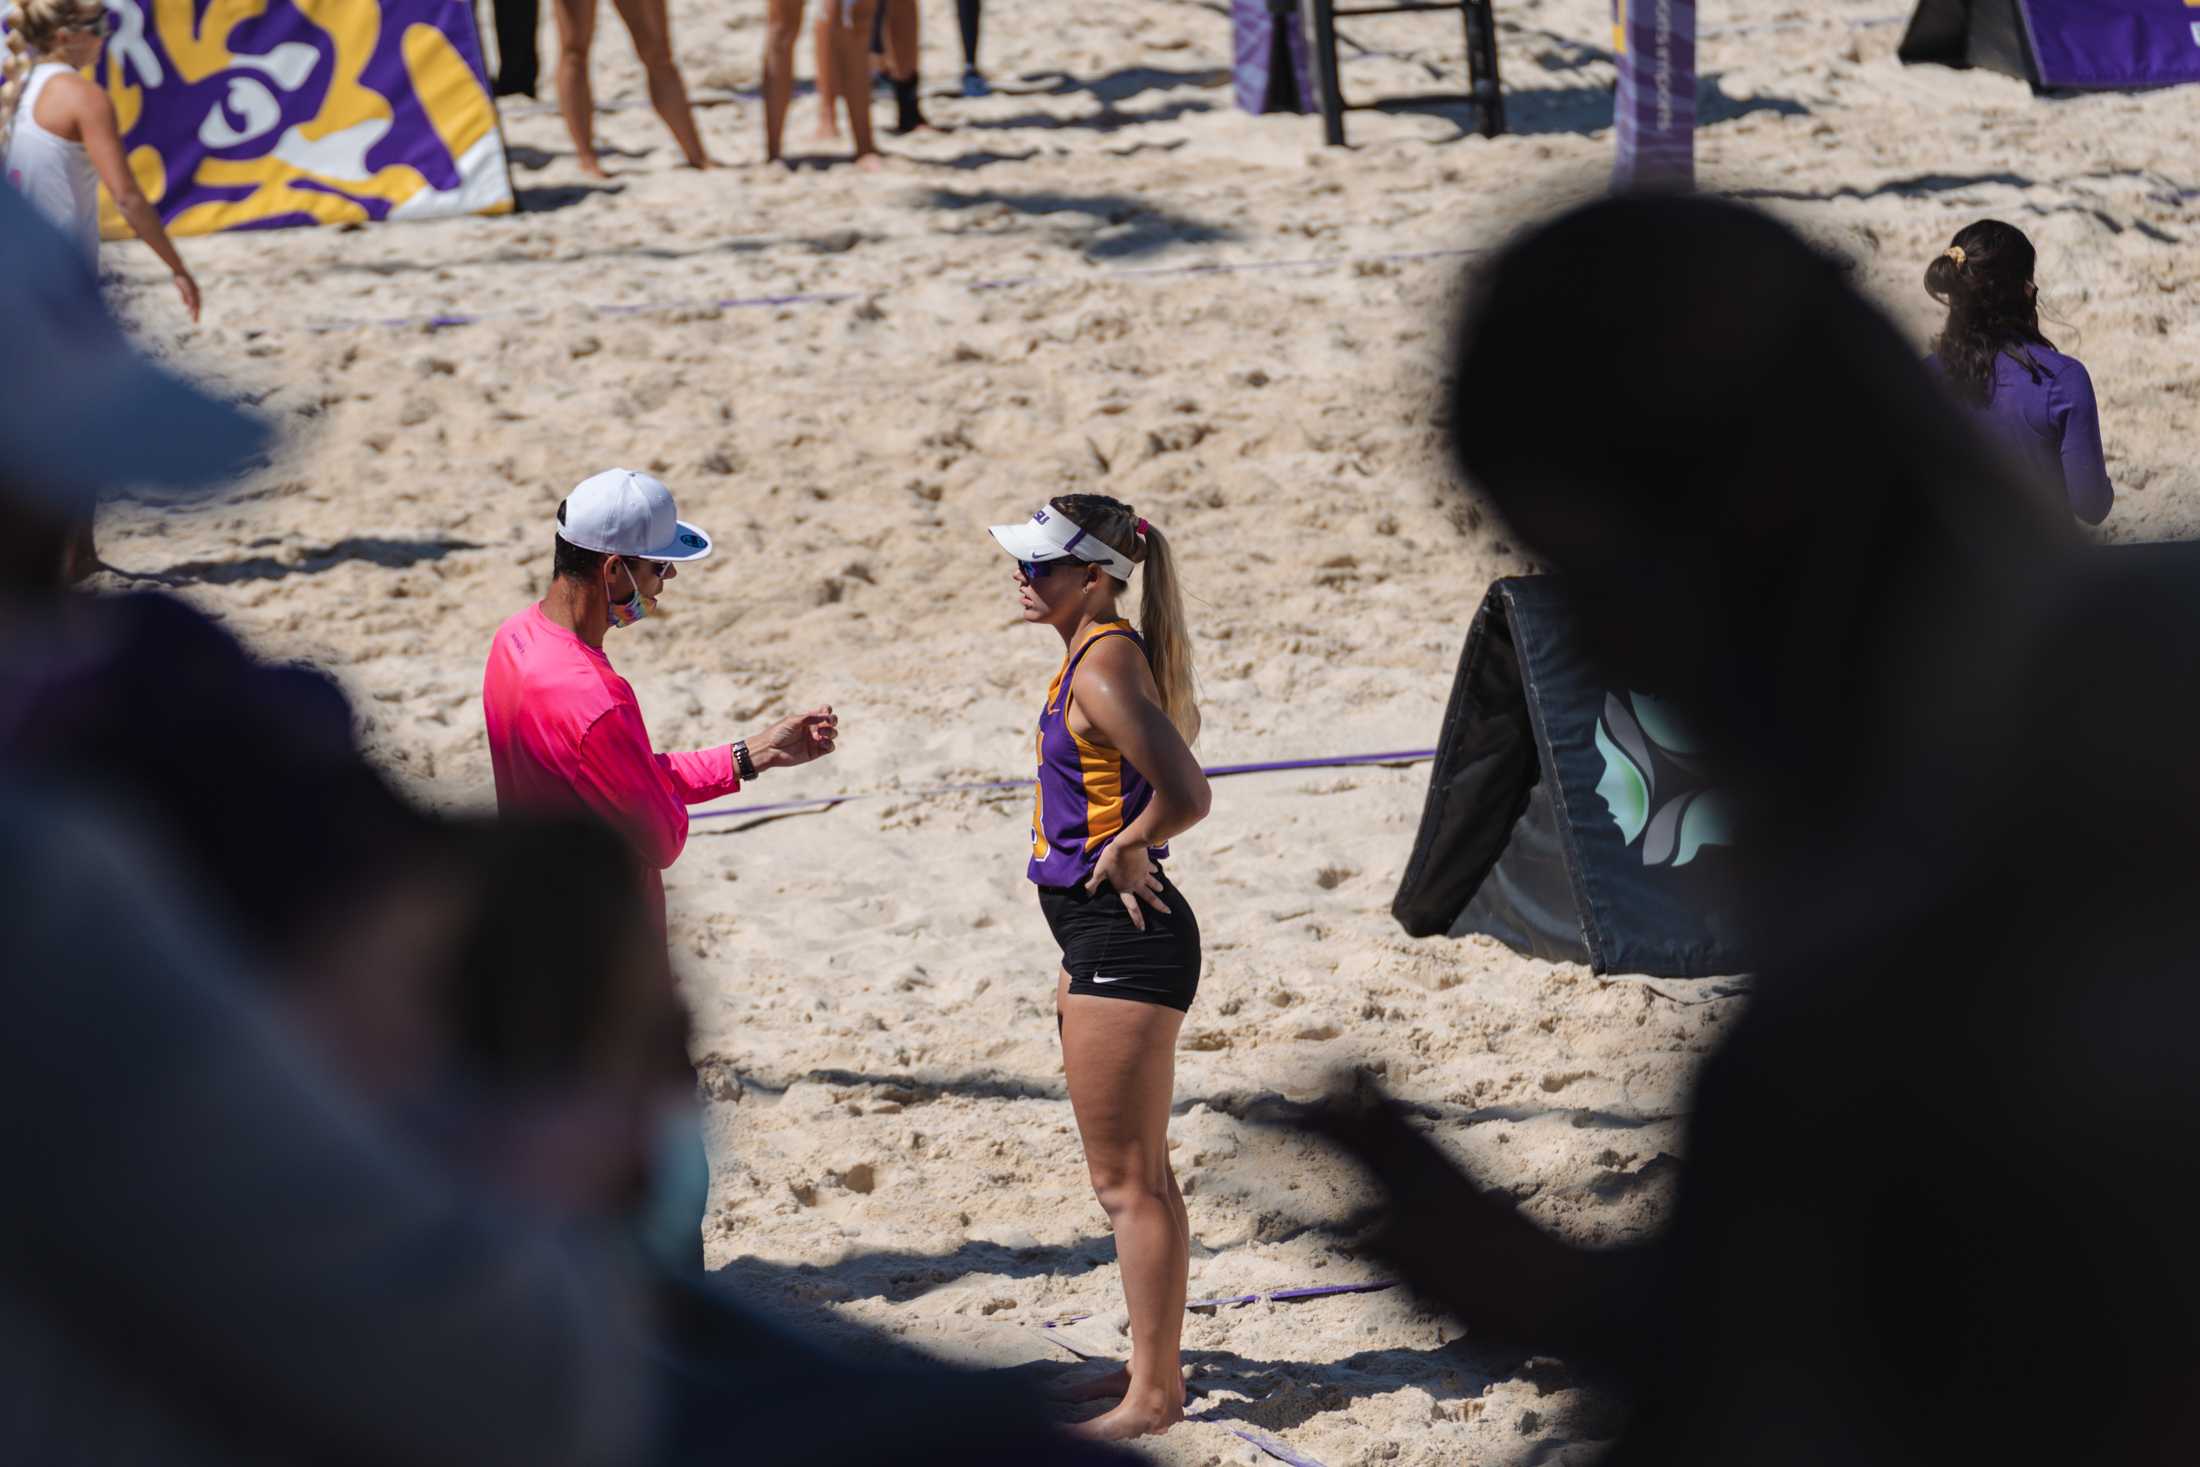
(2035, 401)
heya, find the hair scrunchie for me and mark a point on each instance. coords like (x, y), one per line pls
(1141, 529)
(1955, 253)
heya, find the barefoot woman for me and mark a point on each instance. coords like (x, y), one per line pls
(1116, 780)
(649, 22)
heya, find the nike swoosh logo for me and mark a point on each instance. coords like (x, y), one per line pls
(1098, 979)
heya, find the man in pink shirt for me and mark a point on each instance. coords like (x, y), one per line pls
(565, 730)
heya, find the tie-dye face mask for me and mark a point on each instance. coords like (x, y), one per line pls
(635, 607)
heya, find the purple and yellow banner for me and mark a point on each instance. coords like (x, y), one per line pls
(263, 114)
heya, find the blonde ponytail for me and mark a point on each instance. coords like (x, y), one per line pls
(1161, 601)
(15, 69)
(1168, 639)
(33, 27)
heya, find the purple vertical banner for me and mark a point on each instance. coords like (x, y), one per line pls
(1266, 34)
(1654, 115)
(2114, 44)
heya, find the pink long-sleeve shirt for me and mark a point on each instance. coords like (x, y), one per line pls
(565, 732)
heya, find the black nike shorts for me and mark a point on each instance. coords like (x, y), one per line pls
(1106, 956)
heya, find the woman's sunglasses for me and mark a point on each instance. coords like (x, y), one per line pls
(1034, 569)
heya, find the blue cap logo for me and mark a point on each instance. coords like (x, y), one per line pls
(690, 539)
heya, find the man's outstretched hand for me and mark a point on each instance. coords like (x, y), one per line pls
(796, 740)
(1467, 1250)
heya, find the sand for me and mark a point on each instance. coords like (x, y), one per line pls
(1020, 307)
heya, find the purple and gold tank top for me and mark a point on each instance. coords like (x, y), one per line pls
(1086, 794)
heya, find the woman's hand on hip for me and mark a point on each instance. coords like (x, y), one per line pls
(1127, 866)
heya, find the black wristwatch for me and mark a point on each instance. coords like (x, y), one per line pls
(741, 759)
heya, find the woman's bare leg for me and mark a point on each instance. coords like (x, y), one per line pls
(576, 103)
(649, 22)
(901, 64)
(1119, 1057)
(783, 24)
(852, 37)
(828, 75)
(901, 38)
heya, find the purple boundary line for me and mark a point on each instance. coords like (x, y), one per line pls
(1215, 771)
(1322, 1291)
(443, 320)
(1281, 1451)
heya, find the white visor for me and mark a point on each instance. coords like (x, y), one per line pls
(1051, 535)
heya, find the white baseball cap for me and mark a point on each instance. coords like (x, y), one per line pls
(621, 512)
(1052, 535)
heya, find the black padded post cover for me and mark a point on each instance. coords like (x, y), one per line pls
(1570, 821)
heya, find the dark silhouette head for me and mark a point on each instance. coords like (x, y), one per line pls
(1758, 492)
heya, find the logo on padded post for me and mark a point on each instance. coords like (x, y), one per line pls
(1655, 784)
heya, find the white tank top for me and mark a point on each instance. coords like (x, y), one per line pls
(55, 174)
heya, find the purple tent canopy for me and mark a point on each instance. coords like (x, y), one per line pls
(2095, 45)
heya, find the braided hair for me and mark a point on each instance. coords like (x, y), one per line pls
(33, 27)
(1984, 278)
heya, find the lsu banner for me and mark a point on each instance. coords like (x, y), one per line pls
(262, 114)
(1654, 113)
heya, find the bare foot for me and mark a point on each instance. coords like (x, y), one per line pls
(869, 162)
(592, 168)
(1108, 1386)
(828, 131)
(1145, 1413)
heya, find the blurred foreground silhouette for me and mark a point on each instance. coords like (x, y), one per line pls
(336, 1132)
(1935, 1200)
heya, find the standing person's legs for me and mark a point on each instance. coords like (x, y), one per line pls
(783, 24)
(1119, 1057)
(968, 13)
(852, 35)
(828, 75)
(576, 103)
(517, 59)
(649, 22)
(901, 63)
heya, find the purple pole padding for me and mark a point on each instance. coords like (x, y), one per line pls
(1212, 771)
(1255, 28)
(1654, 113)
(2113, 45)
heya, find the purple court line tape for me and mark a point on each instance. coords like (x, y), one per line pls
(1280, 1296)
(1859, 24)
(1215, 771)
(1281, 1451)
(445, 319)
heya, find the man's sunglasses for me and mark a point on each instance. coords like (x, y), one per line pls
(657, 567)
